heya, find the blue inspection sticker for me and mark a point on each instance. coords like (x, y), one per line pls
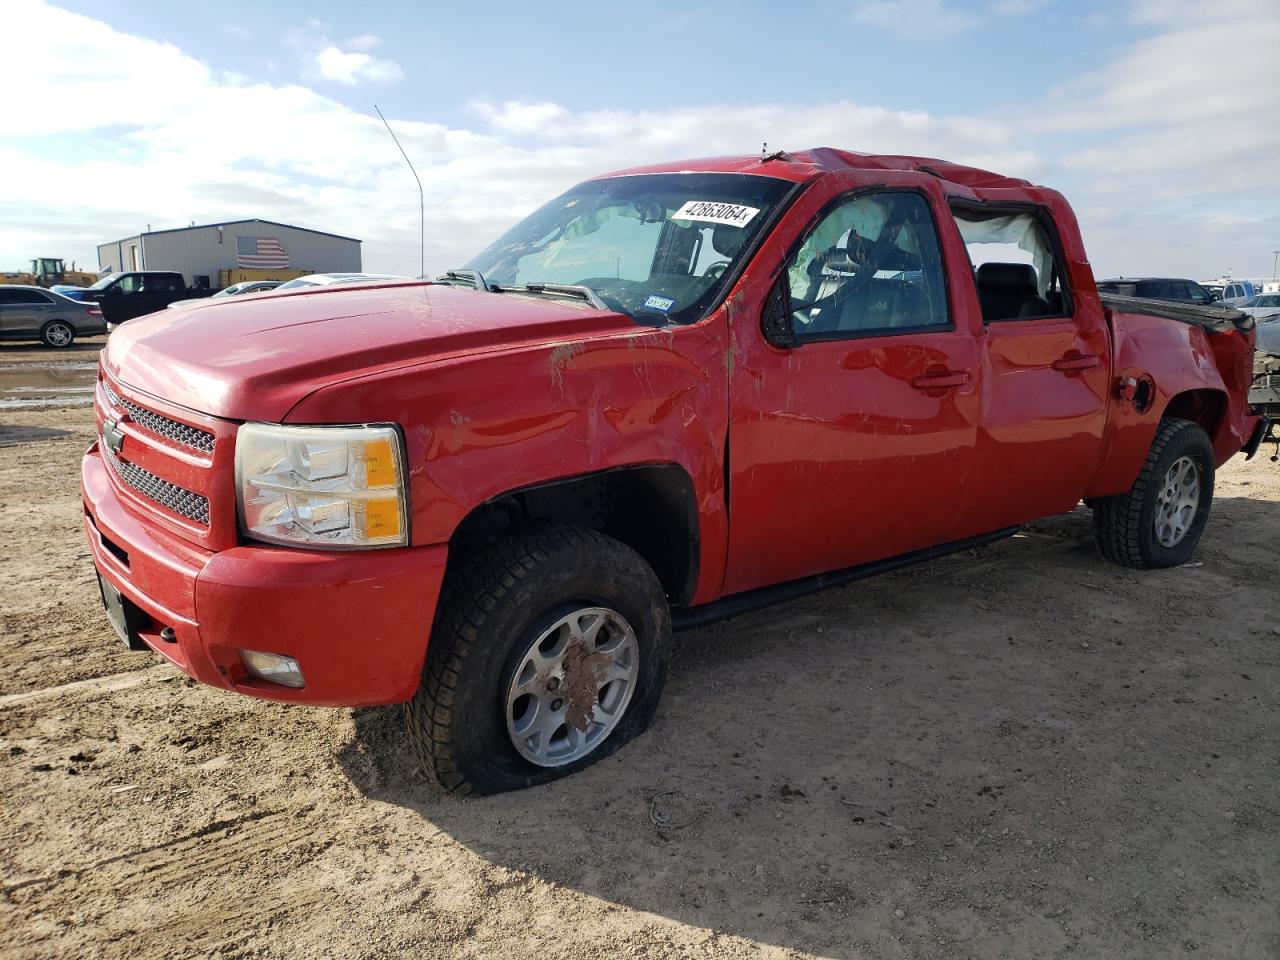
(660, 304)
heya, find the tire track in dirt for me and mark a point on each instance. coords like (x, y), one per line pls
(208, 890)
(54, 619)
(89, 687)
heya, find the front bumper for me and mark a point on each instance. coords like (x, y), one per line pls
(356, 622)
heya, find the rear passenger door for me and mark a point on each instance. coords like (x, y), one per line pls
(151, 294)
(23, 312)
(1046, 363)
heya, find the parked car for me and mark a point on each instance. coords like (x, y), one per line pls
(124, 296)
(1263, 305)
(325, 279)
(1269, 336)
(33, 313)
(1236, 292)
(235, 290)
(1173, 290)
(1264, 393)
(69, 290)
(670, 395)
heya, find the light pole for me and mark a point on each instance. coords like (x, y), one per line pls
(1275, 258)
(422, 204)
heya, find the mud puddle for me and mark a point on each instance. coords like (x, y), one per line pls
(47, 385)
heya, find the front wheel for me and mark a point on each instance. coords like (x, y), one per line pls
(548, 653)
(1158, 523)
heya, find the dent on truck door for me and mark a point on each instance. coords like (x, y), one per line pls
(857, 443)
(1046, 370)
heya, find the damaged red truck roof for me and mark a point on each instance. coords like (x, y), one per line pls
(671, 394)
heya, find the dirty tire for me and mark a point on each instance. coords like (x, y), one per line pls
(1125, 525)
(57, 334)
(494, 604)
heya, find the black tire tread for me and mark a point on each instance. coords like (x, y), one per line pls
(477, 586)
(1117, 521)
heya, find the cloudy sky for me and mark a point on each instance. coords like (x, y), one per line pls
(1159, 119)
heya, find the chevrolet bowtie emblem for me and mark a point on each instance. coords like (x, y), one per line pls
(112, 436)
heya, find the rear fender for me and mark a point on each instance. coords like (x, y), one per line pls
(1164, 368)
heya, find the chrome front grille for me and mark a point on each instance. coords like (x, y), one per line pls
(162, 426)
(193, 506)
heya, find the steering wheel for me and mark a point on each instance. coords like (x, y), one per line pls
(716, 270)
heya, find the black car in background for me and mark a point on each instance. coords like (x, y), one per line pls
(124, 296)
(1172, 289)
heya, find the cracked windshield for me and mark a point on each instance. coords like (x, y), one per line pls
(657, 247)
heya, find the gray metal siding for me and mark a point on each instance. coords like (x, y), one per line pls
(203, 251)
(115, 255)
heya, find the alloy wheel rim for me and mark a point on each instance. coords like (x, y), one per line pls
(572, 686)
(1177, 502)
(59, 335)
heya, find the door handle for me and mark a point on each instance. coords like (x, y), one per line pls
(941, 379)
(1075, 362)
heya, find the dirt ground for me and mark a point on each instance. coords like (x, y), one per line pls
(1018, 752)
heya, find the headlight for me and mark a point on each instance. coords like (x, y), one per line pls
(324, 486)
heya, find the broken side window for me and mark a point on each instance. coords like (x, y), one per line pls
(1015, 264)
(872, 265)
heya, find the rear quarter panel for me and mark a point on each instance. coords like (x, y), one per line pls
(1175, 358)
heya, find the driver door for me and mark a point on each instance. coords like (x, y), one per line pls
(855, 442)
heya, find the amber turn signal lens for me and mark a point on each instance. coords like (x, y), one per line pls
(379, 464)
(382, 518)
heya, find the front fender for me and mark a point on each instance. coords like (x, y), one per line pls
(480, 426)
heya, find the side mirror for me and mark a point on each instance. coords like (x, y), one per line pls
(775, 319)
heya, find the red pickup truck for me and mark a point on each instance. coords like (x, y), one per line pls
(671, 394)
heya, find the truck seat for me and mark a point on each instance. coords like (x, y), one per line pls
(1008, 291)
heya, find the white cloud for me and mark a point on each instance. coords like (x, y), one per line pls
(914, 19)
(325, 60)
(1154, 150)
(351, 68)
(366, 41)
(1166, 12)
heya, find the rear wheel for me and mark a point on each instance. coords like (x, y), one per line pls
(548, 653)
(1158, 523)
(57, 333)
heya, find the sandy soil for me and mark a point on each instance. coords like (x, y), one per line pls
(1020, 752)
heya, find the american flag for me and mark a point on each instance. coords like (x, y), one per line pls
(261, 253)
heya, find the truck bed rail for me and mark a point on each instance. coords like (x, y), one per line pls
(1213, 319)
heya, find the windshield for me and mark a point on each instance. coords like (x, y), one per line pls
(109, 278)
(656, 246)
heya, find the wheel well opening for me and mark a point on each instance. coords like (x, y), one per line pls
(1204, 407)
(651, 509)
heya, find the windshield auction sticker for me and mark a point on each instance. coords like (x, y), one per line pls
(711, 211)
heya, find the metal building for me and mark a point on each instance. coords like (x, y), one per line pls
(219, 254)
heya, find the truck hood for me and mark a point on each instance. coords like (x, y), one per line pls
(256, 357)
